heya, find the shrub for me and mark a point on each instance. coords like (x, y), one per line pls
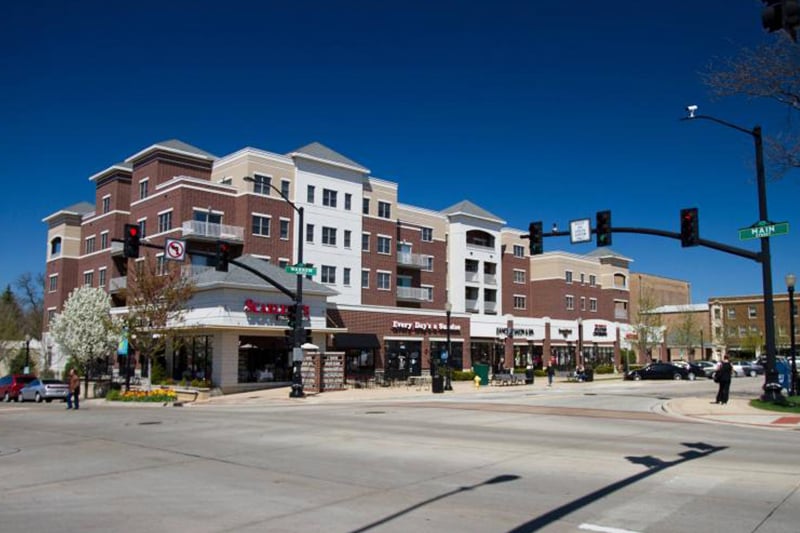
(463, 375)
(157, 373)
(604, 369)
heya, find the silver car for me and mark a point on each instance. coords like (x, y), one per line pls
(43, 389)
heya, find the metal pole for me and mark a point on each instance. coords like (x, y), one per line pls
(448, 385)
(27, 353)
(297, 359)
(792, 341)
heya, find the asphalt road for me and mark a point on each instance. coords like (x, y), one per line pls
(596, 458)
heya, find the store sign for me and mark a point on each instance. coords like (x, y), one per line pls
(600, 330)
(251, 306)
(423, 327)
(565, 332)
(516, 332)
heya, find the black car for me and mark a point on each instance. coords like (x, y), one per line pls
(660, 371)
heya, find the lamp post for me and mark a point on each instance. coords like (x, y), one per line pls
(579, 355)
(448, 308)
(27, 353)
(790, 283)
(772, 388)
(297, 351)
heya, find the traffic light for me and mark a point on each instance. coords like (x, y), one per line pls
(781, 15)
(535, 237)
(131, 241)
(690, 227)
(307, 336)
(603, 228)
(223, 256)
(291, 315)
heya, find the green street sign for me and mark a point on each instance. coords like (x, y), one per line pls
(760, 230)
(301, 270)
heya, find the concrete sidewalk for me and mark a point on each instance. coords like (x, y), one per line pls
(737, 411)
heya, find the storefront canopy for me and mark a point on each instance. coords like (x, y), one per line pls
(350, 341)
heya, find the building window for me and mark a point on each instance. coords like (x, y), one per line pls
(384, 209)
(751, 311)
(583, 278)
(143, 228)
(619, 281)
(328, 274)
(347, 238)
(384, 245)
(55, 247)
(285, 188)
(717, 313)
(90, 245)
(731, 312)
(427, 234)
(583, 303)
(284, 229)
(384, 281)
(53, 283)
(328, 198)
(310, 191)
(365, 279)
(427, 263)
(143, 188)
(161, 265)
(261, 184)
(165, 222)
(519, 276)
(346, 277)
(283, 263)
(101, 278)
(427, 293)
(592, 280)
(88, 278)
(568, 276)
(104, 240)
(570, 302)
(365, 206)
(519, 251)
(365, 242)
(742, 331)
(329, 236)
(309, 232)
(348, 201)
(519, 302)
(593, 305)
(106, 204)
(261, 225)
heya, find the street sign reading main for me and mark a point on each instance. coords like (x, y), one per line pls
(761, 230)
(301, 270)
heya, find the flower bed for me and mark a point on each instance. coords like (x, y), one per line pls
(155, 396)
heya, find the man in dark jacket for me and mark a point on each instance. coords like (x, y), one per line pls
(723, 376)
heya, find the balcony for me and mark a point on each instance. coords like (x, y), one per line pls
(620, 314)
(471, 277)
(471, 306)
(116, 285)
(409, 260)
(490, 279)
(196, 229)
(412, 294)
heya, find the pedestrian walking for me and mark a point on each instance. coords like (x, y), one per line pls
(551, 373)
(723, 377)
(73, 396)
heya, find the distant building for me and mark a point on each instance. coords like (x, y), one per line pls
(737, 325)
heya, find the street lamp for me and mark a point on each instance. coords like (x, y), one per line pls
(27, 353)
(297, 351)
(790, 283)
(448, 308)
(772, 388)
(579, 355)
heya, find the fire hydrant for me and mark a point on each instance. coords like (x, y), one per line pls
(477, 380)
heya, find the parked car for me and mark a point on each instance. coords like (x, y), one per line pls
(708, 367)
(46, 390)
(698, 368)
(11, 384)
(660, 371)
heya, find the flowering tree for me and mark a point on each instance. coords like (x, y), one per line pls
(85, 329)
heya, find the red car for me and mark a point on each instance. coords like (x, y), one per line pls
(11, 384)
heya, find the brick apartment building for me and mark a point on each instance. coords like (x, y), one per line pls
(385, 271)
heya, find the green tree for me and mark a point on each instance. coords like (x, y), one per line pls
(10, 324)
(648, 327)
(686, 334)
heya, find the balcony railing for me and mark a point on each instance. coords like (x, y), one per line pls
(415, 294)
(489, 307)
(490, 279)
(471, 306)
(407, 259)
(117, 284)
(472, 277)
(211, 231)
(621, 314)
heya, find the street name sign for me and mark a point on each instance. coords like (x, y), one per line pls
(761, 230)
(580, 231)
(301, 270)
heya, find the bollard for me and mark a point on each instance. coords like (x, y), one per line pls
(477, 380)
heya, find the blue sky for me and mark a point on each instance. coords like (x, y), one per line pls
(532, 110)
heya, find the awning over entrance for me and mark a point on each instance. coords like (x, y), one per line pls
(349, 341)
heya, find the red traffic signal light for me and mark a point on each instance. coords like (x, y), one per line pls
(131, 241)
(690, 227)
(535, 236)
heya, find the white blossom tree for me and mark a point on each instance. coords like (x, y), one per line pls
(85, 328)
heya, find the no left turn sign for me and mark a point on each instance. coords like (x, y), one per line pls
(175, 249)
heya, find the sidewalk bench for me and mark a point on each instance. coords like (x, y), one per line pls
(507, 379)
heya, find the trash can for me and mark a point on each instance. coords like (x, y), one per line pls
(437, 384)
(529, 376)
(482, 371)
(589, 373)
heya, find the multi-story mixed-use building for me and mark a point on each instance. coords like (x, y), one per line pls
(390, 277)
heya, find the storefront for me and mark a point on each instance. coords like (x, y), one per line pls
(361, 353)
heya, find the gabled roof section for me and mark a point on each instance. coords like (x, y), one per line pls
(606, 252)
(319, 152)
(687, 308)
(125, 168)
(236, 276)
(175, 146)
(80, 209)
(465, 207)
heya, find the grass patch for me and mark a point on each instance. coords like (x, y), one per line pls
(790, 405)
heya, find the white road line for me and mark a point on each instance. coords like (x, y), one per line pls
(603, 529)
